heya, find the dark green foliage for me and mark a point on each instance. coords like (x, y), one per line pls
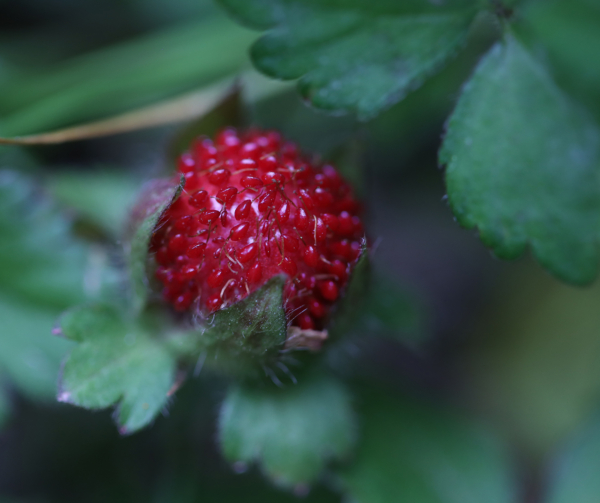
(574, 475)
(101, 197)
(391, 311)
(412, 452)
(4, 407)
(353, 56)
(29, 355)
(43, 269)
(40, 258)
(522, 168)
(115, 361)
(292, 431)
(567, 33)
(123, 77)
(522, 165)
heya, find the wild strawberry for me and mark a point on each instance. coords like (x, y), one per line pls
(253, 207)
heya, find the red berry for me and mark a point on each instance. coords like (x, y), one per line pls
(248, 253)
(216, 279)
(197, 251)
(316, 308)
(301, 221)
(186, 163)
(251, 182)
(219, 176)
(283, 212)
(199, 199)
(268, 163)
(239, 231)
(227, 140)
(227, 195)
(208, 217)
(296, 217)
(311, 256)
(178, 243)
(243, 210)
(254, 273)
(329, 290)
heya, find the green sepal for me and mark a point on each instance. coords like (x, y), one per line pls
(156, 197)
(116, 361)
(291, 432)
(242, 339)
(351, 305)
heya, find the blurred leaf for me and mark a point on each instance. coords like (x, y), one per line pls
(29, 355)
(119, 78)
(394, 312)
(575, 475)
(532, 364)
(568, 29)
(4, 408)
(522, 165)
(353, 55)
(102, 196)
(39, 257)
(116, 361)
(291, 432)
(420, 454)
(228, 112)
(178, 109)
(349, 161)
(155, 198)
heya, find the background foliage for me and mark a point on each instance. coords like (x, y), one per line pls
(464, 379)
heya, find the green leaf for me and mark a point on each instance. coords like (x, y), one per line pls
(4, 408)
(249, 334)
(353, 55)
(29, 356)
(43, 269)
(116, 361)
(292, 432)
(575, 475)
(104, 197)
(154, 200)
(568, 30)
(126, 76)
(523, 167)
(419, 454)
(39, 257)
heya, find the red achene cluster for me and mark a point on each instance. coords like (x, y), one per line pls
(254, 207)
